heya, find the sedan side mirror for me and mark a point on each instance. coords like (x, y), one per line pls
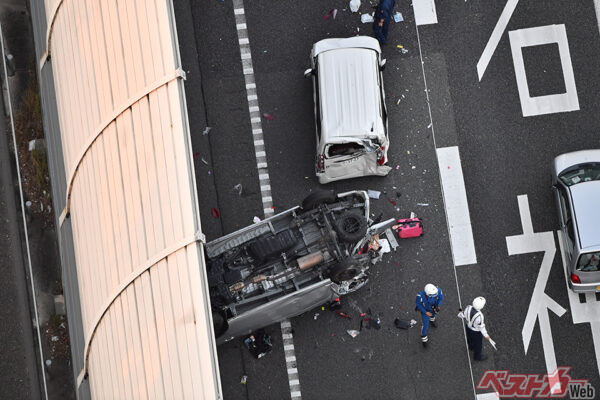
(308, 72)
(382, 64)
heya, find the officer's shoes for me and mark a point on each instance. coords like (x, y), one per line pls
(433, 323)
(483, 358)
(424, 344)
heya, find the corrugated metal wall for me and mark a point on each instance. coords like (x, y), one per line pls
(116, 125)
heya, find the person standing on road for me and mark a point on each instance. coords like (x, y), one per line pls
(428, 302)
(475, 327)
(383, 16)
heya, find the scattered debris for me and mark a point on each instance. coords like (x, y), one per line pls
(404, 51)
(398, 194)
(374, 323)
(399, 46)
(204, 161)
(398, 17)
(316, 316)
(206, 130)
(28, 203)
(423, 204)
(268, 116)
(397, 167)
(398, 102)
(429, 126)
(54, 338)
(196, 154)
(374, 194)
(259, 343)
(243, 380)
(256, 220)
(391, 201)
(343, 314)
(366, 18)
(354, 5)
(332, 14)
(404, 324)
(215, 212)
(353, 332)
(238, 188)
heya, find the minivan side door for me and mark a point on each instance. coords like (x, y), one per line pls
(565, 218)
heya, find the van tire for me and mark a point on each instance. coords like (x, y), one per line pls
(350, 226)
(344, 271)
(317, 198)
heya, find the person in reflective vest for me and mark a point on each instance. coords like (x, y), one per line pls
(428, 302)
(475, 327)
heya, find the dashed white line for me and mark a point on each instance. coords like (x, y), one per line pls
(265, 188)
(457, 207)
(261, 165)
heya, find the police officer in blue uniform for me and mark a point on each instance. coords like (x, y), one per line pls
(383, 16)
(428, 302)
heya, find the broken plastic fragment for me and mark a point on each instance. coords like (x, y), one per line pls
(343, 314)
(206, 130)
(354, 5)
(353, 332)
(423, 204)
(204, 161)
(374, 194)
(391, 201)
(256, 220)
(215, 213)
(238, 188)
(316, 316)
(243, 380)
(268, 116)
(366, 18)
(398, 17)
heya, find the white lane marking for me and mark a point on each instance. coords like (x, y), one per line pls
(265, 188)
(552, 103)
(597, 7)
(494, 39)
(435, 145)
(582, 312)
(240, 26)
(530, 242)
(25, 229)
(425, 12)
(457, 207)
(292, 371)
(488, 396)
(267, 200)
(288, 347)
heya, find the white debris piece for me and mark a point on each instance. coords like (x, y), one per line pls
(354, 5)
(374, 194)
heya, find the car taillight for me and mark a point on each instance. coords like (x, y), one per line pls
(575, 278)
(381, 156)
(320, 164)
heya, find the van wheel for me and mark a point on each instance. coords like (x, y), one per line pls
(351, 226)
(344, 271)
(220, 324)
(317, 198)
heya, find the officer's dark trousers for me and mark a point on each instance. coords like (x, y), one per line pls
(474, 340)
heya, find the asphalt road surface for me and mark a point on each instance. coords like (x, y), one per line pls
(436, 101)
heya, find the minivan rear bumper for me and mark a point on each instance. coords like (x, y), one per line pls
(584, 287)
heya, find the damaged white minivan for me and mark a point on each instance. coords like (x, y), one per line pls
(350, 113)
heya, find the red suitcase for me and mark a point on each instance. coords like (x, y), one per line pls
(409, 228)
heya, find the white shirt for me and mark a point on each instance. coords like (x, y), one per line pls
(476, 322)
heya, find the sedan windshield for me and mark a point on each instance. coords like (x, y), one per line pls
(581, 173)
(589, 262)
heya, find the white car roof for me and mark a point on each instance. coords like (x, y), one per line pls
(365, 42)
(349, 91)
(585, 197)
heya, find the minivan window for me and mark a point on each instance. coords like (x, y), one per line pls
(589, 261)
(581, 173)
(343, 149)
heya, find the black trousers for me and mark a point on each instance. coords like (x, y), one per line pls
(475, 342)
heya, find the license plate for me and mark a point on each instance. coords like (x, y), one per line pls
(350, 161)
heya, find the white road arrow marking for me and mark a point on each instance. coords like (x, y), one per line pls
(530, 242)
